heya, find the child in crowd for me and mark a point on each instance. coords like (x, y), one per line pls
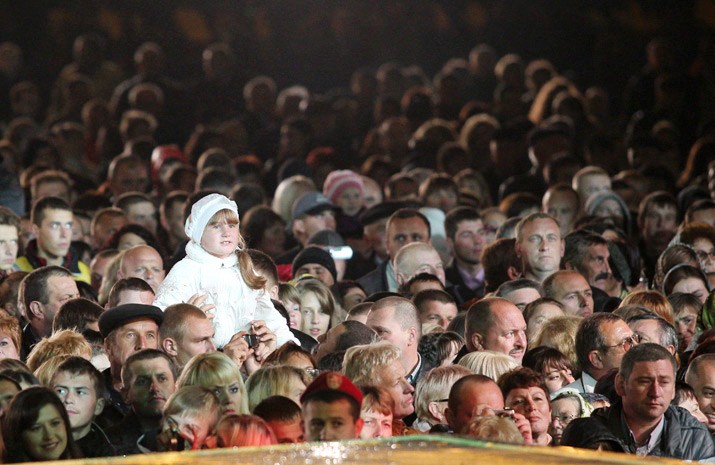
(218, 266)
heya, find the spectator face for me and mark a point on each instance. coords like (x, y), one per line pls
(609, 208)
(7, 347)
(563, 206)
(539, 316)
(145, 263)
(319, 222)
(129, 178)
(352, 297)
(648, 331)
(591, 184)
(8, 246)
(375, 235)
(129, 240)
(522, 297)
(198, 339)
(52, 189)
(691, 405)
(405, 231)
(693, 286)
(444, 199)
(377, 425)
(421, 261)
(574, 293)
(533, 403)
(438, 313)
(330, 421)
(191, 425)
(106, 227)
(648, 391)
(350, 201)
(686, 325)
(563, 412)
(294, 313)
(230, 397)
(7, 392)
(54, 235)
(706, 216)
(492, 221)
(315, 321)
(220, 239)
(658, 226)
(143, 214)
(507, 334)
(273, 239)
(60, 289)
(288, 432)
(469, 241)
(131, 338)
(618, 339)
(557, 377)
(49, 441)
(595, 266)
(703, 247)
(540, 247)
(394, 381)
(384, 323)
(475, 399)
(79, 397)
(704, 385)
(319, 271)
(152, 383)
(172, 219)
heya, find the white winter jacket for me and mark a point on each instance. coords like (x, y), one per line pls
(221, 280)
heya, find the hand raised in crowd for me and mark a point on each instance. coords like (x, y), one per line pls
(199, 300)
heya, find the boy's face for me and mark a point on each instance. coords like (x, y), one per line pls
(79, 396)
(288, 432)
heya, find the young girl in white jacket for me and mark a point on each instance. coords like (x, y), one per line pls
(218, 266)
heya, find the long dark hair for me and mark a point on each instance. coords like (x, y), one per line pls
(23, 413)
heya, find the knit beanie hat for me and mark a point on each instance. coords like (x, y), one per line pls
(317, 255)
(339, 180)
(203, 210)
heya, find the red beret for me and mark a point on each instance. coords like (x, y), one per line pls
(333, 381)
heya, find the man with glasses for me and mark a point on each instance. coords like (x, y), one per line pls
(52, 221)
(601, 341)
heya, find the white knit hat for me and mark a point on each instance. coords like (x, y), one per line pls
(203, 210)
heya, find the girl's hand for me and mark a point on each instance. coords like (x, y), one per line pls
(268, 340)
(199, 300)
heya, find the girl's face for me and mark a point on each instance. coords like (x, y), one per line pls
(686, 324)
(557, 377)
(350, 201)
(315, 321)
(693, 286)
(294, 314)
(352, 297)
(7, 392)
(129, 240)
(230, 397)
(541, 315)
(46, 439)
(220, 239)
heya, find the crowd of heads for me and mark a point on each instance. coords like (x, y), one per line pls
(495, 253)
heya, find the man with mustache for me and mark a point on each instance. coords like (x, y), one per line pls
(657, 221)
(572, 290)
(588, 254)
(644, 422)
(149, 378)
(496, 324)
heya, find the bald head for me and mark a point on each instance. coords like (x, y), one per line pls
(415, 258)
(143, 262)
(701, 377)
(473, 395)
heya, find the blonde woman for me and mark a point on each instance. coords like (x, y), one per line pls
(277, 380)
(218, 373)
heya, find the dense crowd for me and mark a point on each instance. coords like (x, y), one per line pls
(489, 252)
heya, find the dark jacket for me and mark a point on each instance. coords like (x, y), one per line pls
(124, 436)
(459, 291)
(376, 280)
(96, 443)
(683, 436)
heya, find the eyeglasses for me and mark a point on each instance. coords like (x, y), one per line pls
(564, 419)
(626, 343)
(312, 372)
(703, 255)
